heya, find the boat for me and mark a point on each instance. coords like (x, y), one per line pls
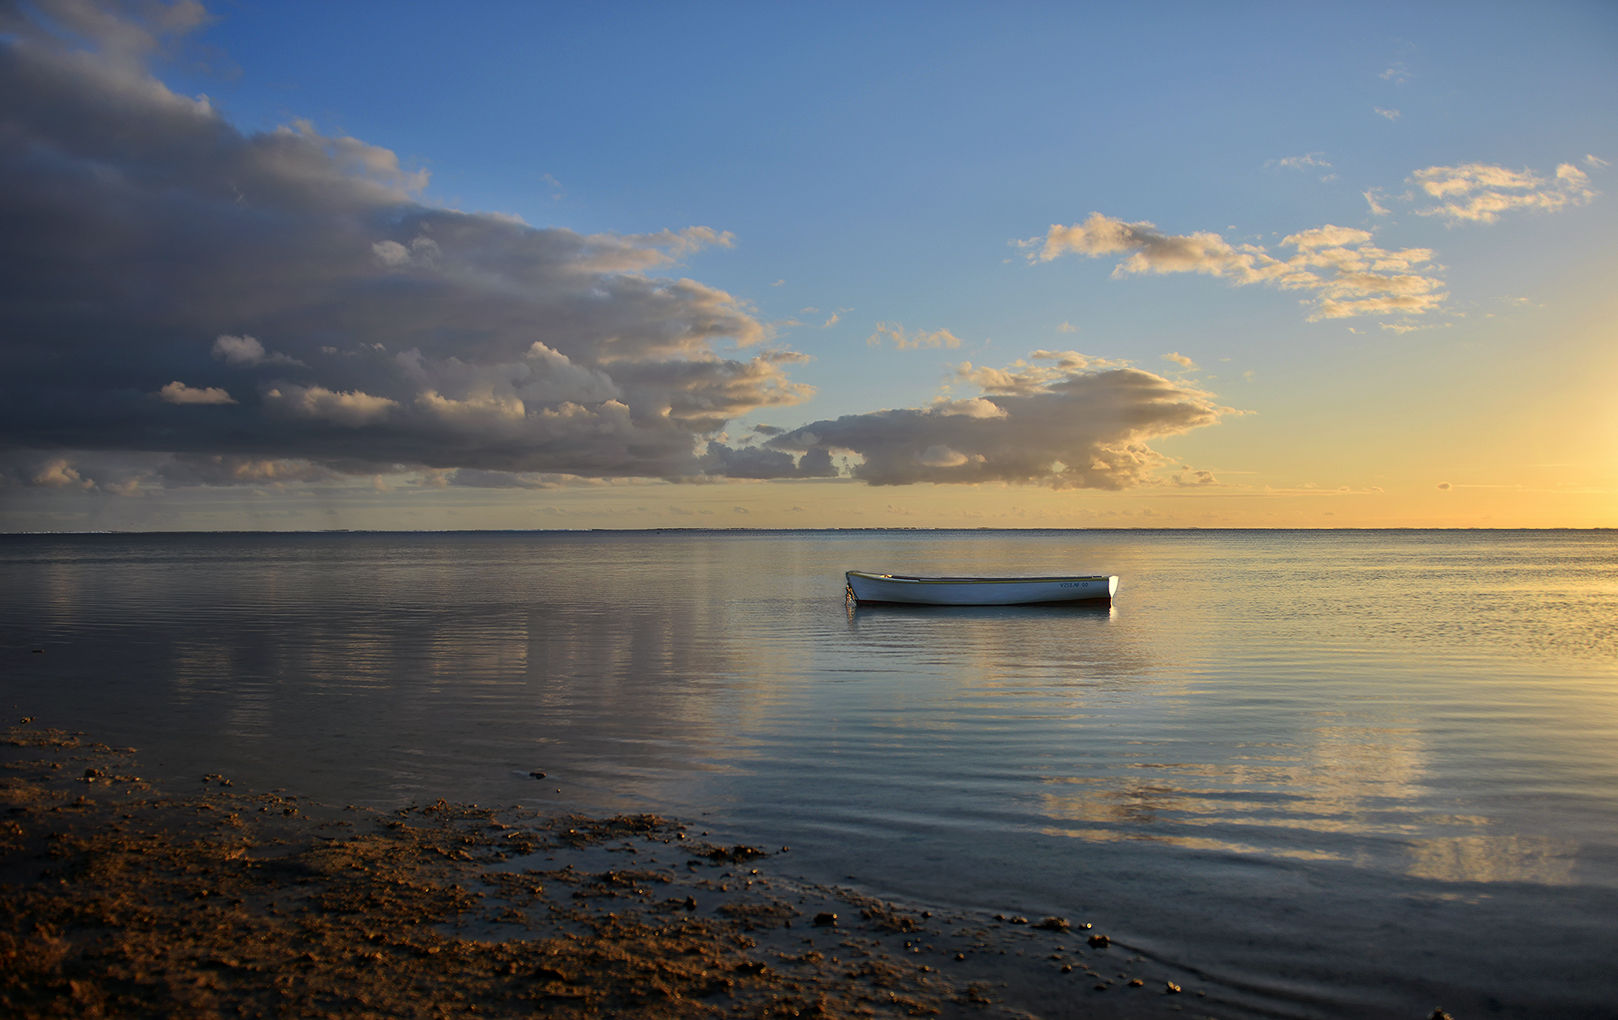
(979, 591)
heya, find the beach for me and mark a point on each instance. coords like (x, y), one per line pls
(126, 899)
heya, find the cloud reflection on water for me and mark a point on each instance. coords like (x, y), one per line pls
(1361, 788)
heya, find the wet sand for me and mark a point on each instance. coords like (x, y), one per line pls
(120, 899)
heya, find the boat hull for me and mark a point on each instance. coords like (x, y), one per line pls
(979, 591)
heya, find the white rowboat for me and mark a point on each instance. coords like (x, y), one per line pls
(978, 591)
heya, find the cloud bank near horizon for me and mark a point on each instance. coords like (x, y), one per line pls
(172, 284)
(1058, 419)
(189, 304)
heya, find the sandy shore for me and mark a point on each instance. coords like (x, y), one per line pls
(120, 899)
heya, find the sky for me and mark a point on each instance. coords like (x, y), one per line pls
(286, 266)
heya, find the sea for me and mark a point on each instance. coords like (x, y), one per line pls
(1321, 773)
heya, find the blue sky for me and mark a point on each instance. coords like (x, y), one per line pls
(1316, 264)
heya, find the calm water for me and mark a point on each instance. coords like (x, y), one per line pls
(1327, 773)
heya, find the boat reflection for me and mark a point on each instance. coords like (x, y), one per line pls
(1052, 611)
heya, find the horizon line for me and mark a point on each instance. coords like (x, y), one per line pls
(764, 530)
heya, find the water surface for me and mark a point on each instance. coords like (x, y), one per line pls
(1326, 773)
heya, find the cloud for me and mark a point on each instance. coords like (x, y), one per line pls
(238, 350)
(349, 408)
(972, 407)
(1308, 161)
(1339, 270)
(1026, 376)
(1060, 419)
(1480, 192)
(761, 463)
(483, 412)
(178, 392)
(221, 469)
(423, 251)
(297, 282)
(1189, 477)
(1312, 159)
(940, 456)
(1342, 273)
(913, 340)
(120, 41)
(1384, 112)
(246, 350)
(1179, 359)
(479, 479)
(1147, 248)
(60, 474)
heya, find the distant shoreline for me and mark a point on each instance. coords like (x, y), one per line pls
(1192, 529)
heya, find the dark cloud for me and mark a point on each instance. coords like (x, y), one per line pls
(170, 284)
(185, 304)
(755, 462)
(477, 479)
(221, 469)
(1063, 422)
